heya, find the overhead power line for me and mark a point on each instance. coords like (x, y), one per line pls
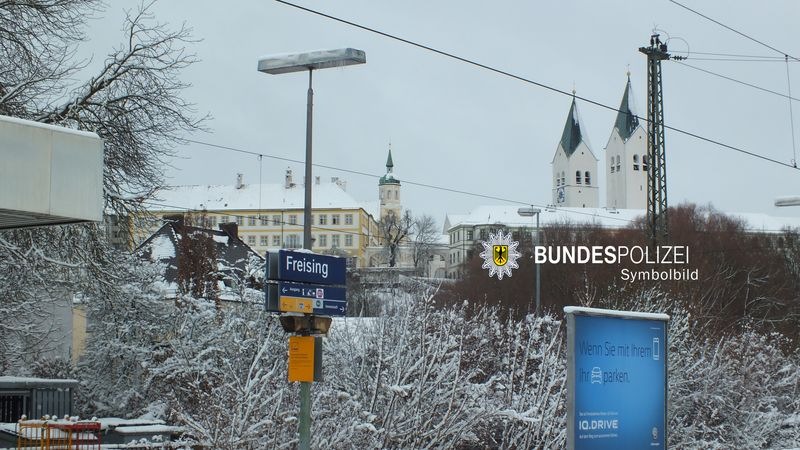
(734, 30)
(744, 83)
(533, 82)
(408, 182)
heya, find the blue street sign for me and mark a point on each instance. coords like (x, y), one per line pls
(306, 267)
(616, 379)
(286, 296)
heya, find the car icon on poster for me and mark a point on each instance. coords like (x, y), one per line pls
(597, 375)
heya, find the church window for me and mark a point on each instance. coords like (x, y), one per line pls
(618, 165)
(587, 179)
(577, 177)
(612, 164)
(644, 162)
(635, 162)
(397, 195)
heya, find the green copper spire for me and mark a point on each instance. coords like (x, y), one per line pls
(389, 163)
(627, 121)
(571, 136)
(389, 178)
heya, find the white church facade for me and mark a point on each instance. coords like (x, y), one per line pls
(626, 157)
(575, 165)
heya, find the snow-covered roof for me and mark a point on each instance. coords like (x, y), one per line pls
(251, 196)
(8, 382)
(230, 251)
(508, 215)
(600, 217)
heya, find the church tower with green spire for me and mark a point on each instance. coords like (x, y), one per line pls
(389, 190)
(574, 166)
(626, 157)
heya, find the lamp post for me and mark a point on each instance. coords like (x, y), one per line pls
(787, 201)
(300, 62)
(529, 212)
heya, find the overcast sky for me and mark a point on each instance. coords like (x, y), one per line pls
(465, 128)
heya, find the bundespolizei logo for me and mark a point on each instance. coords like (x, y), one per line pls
(500, 254)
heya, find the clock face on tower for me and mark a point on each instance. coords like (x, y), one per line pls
(560, 195)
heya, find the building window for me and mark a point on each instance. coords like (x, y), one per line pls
(348, 240)
(292, 219)
(587, 178)
(469, 235)
(618, 165)
(276, 219)
(335, 219)
(644, 163)
(612, 164)
(635, 162)
(323, 240)
(223, 219)
(276, 241)
(292, 241)
(251, 240)
(323, 219)
(335, 241)
(348, 219)
(577, 177)
(263, 241)
(238, 220)
(563, 178)
(251, 221)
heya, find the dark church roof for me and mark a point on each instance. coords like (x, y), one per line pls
(627, 121)
(572, 135)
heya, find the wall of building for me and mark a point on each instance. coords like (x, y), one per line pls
(576, 195)
(626, 186)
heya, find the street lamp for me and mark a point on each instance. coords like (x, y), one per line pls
(299, 62)
(787, 201)
(310, 61)
(529, 212)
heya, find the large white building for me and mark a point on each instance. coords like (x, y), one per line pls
(574, 166)
(270, 216)
(626, 155)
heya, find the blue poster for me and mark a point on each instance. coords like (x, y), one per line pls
(619, 382)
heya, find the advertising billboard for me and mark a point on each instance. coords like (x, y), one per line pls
(616, 379)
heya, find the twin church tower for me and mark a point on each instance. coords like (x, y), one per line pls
(575, 181)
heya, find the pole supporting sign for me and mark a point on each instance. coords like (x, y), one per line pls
(616, 379)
